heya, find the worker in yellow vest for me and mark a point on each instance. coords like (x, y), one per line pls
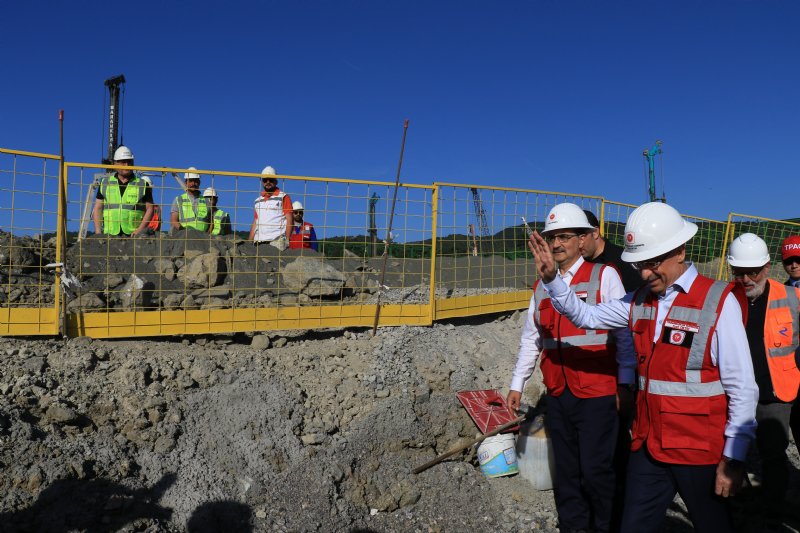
(124, 202)
(220, 221)
(773, 337)
(190, 209)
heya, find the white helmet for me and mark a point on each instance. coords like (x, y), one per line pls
(566, 216)
(748, 250)
(191, 175)
(147, 180)
(297, 206)
(209, 193)
(123, 153)
(654, 229)
(268, 171)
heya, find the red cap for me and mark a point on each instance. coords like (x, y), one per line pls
(790, 247)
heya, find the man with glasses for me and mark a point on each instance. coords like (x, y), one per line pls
(124, 202)
(695, 412)
(190, 209)
(272, 217)
(598, 249)
(772, 336)
(581, 369)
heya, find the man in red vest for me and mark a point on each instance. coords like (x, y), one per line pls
(303, 234)
(695, 410)
(772, 333)
(581, 369)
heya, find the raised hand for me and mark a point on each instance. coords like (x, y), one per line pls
(543, 256)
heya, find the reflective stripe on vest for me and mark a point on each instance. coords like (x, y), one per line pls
(591, 287)
(781, 340)
(191, 218)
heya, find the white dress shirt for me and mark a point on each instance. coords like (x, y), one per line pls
(530, 344)
(730, 351)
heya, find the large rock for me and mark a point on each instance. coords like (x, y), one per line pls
(166, 268)
(313, 277)
(86, 302)
(136, 293)
(201, 272)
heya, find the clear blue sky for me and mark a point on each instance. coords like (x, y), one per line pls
(541, 94)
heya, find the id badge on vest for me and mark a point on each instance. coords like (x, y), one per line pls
(679, 333)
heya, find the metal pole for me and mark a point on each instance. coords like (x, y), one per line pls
(60, 299)
(389, 230)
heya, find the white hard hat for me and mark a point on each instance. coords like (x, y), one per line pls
(297, 206)
(268, 171)
(147, 180)
(123, 153)
(566, 216)
(209, 193)
(748, 250)
(191, 175)
(654, 229)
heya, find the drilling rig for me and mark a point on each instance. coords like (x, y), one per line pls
(650, 162)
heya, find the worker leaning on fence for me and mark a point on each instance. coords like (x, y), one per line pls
(220, 221)
(190, 209)
(772, 334)
(272, 215)
(582, 369)
(695, 412)
(303, 234)
(124, 202)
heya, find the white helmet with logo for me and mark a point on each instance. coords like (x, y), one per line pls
(191, 175)
(654, 229)
(566, 216)
(209, 193)
(297, 206)
(748, 250)
(123, 153)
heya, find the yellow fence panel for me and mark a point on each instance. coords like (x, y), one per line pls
(483, 264)
(180, 278)
(772, 231)
(29, 187)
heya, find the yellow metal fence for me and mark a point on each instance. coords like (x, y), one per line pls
(455, 250)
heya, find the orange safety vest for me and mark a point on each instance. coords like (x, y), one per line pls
(682, 408)
(583, 359)
(155, 222)
(781, 339)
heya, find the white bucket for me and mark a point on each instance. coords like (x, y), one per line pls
(496, 456)
(535, 456)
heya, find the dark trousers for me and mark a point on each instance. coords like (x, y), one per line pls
(584, 433)
(772, 439)
(652, 485)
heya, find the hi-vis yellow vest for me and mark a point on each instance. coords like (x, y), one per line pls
(188, 218)
(122, 213)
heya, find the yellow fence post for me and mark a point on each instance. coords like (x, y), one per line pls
(434, 230)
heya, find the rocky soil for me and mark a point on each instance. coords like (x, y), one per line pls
(290, 431)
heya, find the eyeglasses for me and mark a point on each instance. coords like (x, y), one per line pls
(791, 260)
(561, 237)
(651, 264)
(751, 273)
(265, 180)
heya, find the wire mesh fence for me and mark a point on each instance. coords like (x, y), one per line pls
(29, 184)
(155, 253)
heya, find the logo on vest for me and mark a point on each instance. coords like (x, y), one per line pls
(681, 325)
(676, 337)
(783, 331)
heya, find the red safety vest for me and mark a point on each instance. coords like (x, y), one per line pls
(781, 339)
(583, 359)
(682, 409)
(302, 238)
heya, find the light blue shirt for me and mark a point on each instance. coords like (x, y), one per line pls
(730, 351)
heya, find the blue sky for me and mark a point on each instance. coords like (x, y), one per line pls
(547, 95)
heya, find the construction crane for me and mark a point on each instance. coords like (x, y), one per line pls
(480, 214)
(650, 158)
(114, 85)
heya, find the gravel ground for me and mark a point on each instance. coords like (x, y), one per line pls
(291, 431)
